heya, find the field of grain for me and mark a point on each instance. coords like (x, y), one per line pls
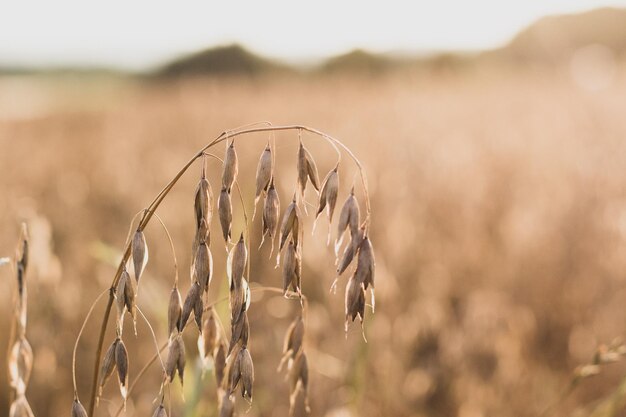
(499, 224)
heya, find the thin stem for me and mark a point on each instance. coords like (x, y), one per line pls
(149, 212)
(82, 328)
(169, 237)
(156, 344)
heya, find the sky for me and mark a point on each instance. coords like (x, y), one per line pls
(141, 34)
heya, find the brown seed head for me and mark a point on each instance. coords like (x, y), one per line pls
(306, 168)
(263, 171)
(108, 365)
(240, 331)
(328, 195)
(121, 363)
(294, 337)
(299, 372)
(174, 311)
(191, 300)
(203, 202)
(290, 225)
(159, 412)
(210, 333)
(225, 211)
(271, 211)
(349, 216)
(203, 266)
(78, 410)
(238, 262)
(289, 267)
(247, 374)
(366, 264)
(219, 359)
(227, 406)
(355, 301)
(231, 167)
(350, 251)
(140, 253)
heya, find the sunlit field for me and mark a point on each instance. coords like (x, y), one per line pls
(499, 224)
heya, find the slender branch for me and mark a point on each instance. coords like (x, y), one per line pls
(82, 328)
(169, 237)
(149, 212)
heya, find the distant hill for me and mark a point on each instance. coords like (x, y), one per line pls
(358, 61)
(554, 39)
(224, 60)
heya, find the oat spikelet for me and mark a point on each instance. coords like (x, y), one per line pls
(107, 367)
(20, 364)
(121, 363)
(174, 311)
(263, 174)
(203, 202)
(203, 266)
(306, 169)
(355, 302)
(231, 167)
(78, 410)
(209, 338)
(227, 406)
(160, 412)
(175, 361)
(238, 262)
(20, 408)
(366, 267)
(225, 211)
(290, 226)
(349, 216)
(291, 269)
(219, 360)
(140, 254)
(202, 235)
(328, 198)
(271, 211)
(247, 374)
(191, 301)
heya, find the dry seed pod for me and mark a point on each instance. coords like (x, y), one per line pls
(78, 410)
(234, 370)
(120, 298)
(290, 224)
(263, 172)
(198, 309)
(191, 300)
(121, 363)
(225, 211)
(20, 408)
(236, 300)
(202, 235)
(203, 202)
(20, 364)
(349, 217)
(174, 311)
(175, 361)
(238, 262)
(227, 406)
(299, 372)
(140, 253)
(350, 251)
(160, 412)
(294, 337)
(271, 211)
(290, 267)
(231, 167)
(240, 331)
(355, 301)
(203, 266)
(247, 374)
(210, 334)
(219, 360)
(328, 195)
(107, 367)
(306, 168)
(366, 264)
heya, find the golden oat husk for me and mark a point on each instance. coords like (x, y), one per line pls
(231, 167)
(120, 298)
(328, 198)
(294, 337)
(306, 169)
(366, 266)
(121, 363)
(289, 267)
(290, 224)
(210, 334)
(203, 203)
(225, 211)
(240, 331)
(20, 408)
(227, 406)
(20, 364)
(219, 361)
(233, 369)
(180, 363)
(171, 362)
(202, 235)
(299, 372)
(355, 302)
(174, 311)
(160, 412)
(139, 253)
(198, 309)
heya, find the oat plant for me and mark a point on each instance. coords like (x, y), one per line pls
(20, 355)
(230, 352)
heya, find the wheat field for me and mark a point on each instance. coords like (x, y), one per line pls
(499, 222)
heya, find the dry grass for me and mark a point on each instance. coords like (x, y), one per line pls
(500, 241)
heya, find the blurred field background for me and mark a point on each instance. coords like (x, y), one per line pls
(499, 206)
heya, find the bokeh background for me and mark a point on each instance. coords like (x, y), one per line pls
(498, 202)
